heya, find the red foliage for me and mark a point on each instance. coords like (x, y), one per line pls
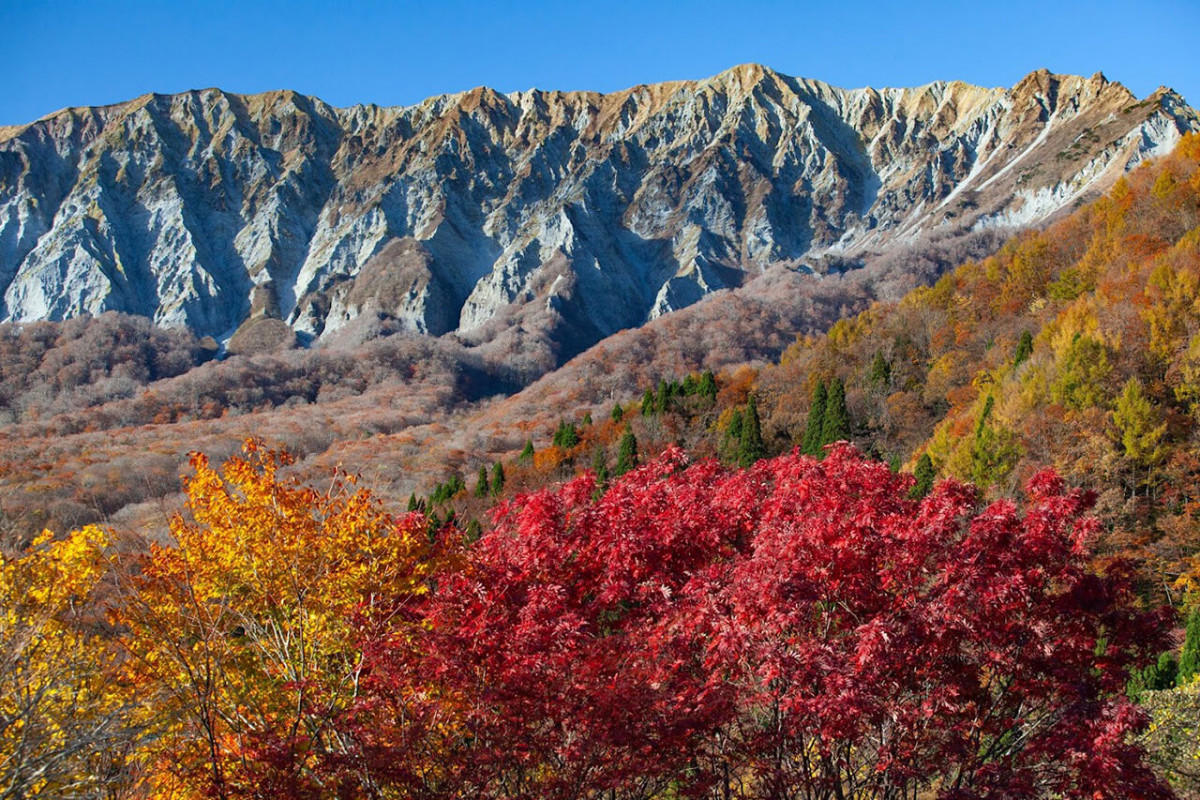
(797, 629)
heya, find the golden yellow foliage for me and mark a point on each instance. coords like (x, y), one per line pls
(243, 632)
(61, 713)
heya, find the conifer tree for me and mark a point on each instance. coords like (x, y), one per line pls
(1024, 348)
(617, 414)
(497, 479)
(816, 421)
(412, 503)
(648, 403)
(708, 385)
(627, 455)
(662, 401)
(835, 427)
(994, 451)
(600, 466)
(925, 475)
(736, 421)
(587, 419)
(1189, 659)
(482, 488)
(1154, 678)
(733, 435)
(566, 436)
(750, 443)
(526, 456)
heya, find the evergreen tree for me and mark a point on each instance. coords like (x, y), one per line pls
(497, 479)
(648, 403)
(474, 531)
(617, 414)
(1189, 659)
(587, 419)
(925, 475)
(1154, 678)
(1024, 348)
(526, 456)
(994, 451)
(627, 455)
(836, 425)
(816, 421)
(736, 421)
(750, 443)
(600, 466)
(482, 488)
(566, 436)
(708, 385)
(733, 436)
(662, 401)
(412, 503)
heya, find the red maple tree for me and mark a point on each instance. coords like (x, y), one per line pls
(798, 629)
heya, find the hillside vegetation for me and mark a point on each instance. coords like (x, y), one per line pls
(1076, 347)
(696, 590)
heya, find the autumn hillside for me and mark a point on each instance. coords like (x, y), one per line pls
(1076, 347)
(698, 590)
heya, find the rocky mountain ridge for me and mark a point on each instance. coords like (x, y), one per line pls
(481, 212)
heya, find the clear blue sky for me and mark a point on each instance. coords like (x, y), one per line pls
(89, 52)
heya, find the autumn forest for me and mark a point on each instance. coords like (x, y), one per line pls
(947, 546)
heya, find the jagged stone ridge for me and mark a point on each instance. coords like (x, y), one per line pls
(477, 211)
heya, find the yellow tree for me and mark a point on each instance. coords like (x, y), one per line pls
(1140, 428)
(241, 630)
(62, 717)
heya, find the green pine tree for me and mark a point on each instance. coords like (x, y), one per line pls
(1153, 678)
(733, 435)
(750, 443)
(482, 487)
(816, 421)
(600, 466)
(566, 436)
(708, 385)
(925, 475)
(617, 414)
(649, 403)
(836, 425)
(587, 419)
(413, 505)
(497, 479)
(994, 451)
(526, 456)
(1024, 348)
(627, 455)
(1189, 659)
(662, 400)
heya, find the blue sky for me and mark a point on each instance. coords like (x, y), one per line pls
(73, 52)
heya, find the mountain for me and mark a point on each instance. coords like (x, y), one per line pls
(482, 213)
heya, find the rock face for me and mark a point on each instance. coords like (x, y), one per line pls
(470, 212)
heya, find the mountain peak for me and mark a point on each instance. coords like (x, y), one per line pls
(475, 212)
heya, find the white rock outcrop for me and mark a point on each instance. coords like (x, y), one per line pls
(606, 210)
